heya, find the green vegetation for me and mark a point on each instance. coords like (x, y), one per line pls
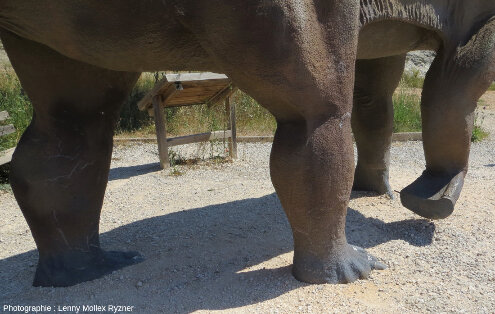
(492, 87)
(407, 112)
(407, 103)
(252, 119)
(131, 119)
(479, 134)
(17, 104)
(412, 80)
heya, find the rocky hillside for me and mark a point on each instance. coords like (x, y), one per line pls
(419, 61)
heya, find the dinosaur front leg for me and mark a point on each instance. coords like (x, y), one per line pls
(455, 82)
(373, 121)
(311, 168)
(302, 70)
(60, 167)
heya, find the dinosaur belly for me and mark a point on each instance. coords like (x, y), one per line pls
(389, 38)
(133, 36)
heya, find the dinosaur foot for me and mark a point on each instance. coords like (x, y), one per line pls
(432, 196)
(372, 181)
(71, 268)
(346, 266)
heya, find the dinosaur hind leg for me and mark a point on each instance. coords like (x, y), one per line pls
(60, 167)
(372, 121)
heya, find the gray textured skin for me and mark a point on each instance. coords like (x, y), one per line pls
(78, 60)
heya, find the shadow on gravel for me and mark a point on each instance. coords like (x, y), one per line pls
(370, 232)
(490, 165)
(132, 171)
(196, 259)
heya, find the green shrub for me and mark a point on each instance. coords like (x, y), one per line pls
(17, 104)
(131, 119)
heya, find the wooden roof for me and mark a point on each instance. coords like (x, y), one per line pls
(190, 89)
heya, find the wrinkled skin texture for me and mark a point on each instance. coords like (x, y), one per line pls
(79, 60)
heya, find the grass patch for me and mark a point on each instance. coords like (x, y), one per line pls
(479, 133)
(492, 87)
(17, 104)
(407, 104)
(407, 112)
(252, 119)
(412, 80)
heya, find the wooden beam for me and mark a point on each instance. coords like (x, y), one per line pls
(196, 138)
(222, 95)
(231, 125)
(201, 76)
(165, 89)
(200, 88)
(6, 129)
(6, 156)
(161, 132)
(4, 115)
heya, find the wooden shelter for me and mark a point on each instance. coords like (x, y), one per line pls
(187, 89)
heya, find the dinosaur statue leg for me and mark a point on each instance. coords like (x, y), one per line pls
(303, 73)
(312, 168)
(457, 79)
(60, 167)
(373, 120)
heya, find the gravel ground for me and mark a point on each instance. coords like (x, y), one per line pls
(215, 238)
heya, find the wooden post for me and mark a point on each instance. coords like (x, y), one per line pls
(161, 131)
(230, 109)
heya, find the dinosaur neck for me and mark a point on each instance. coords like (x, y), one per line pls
(419, 12)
